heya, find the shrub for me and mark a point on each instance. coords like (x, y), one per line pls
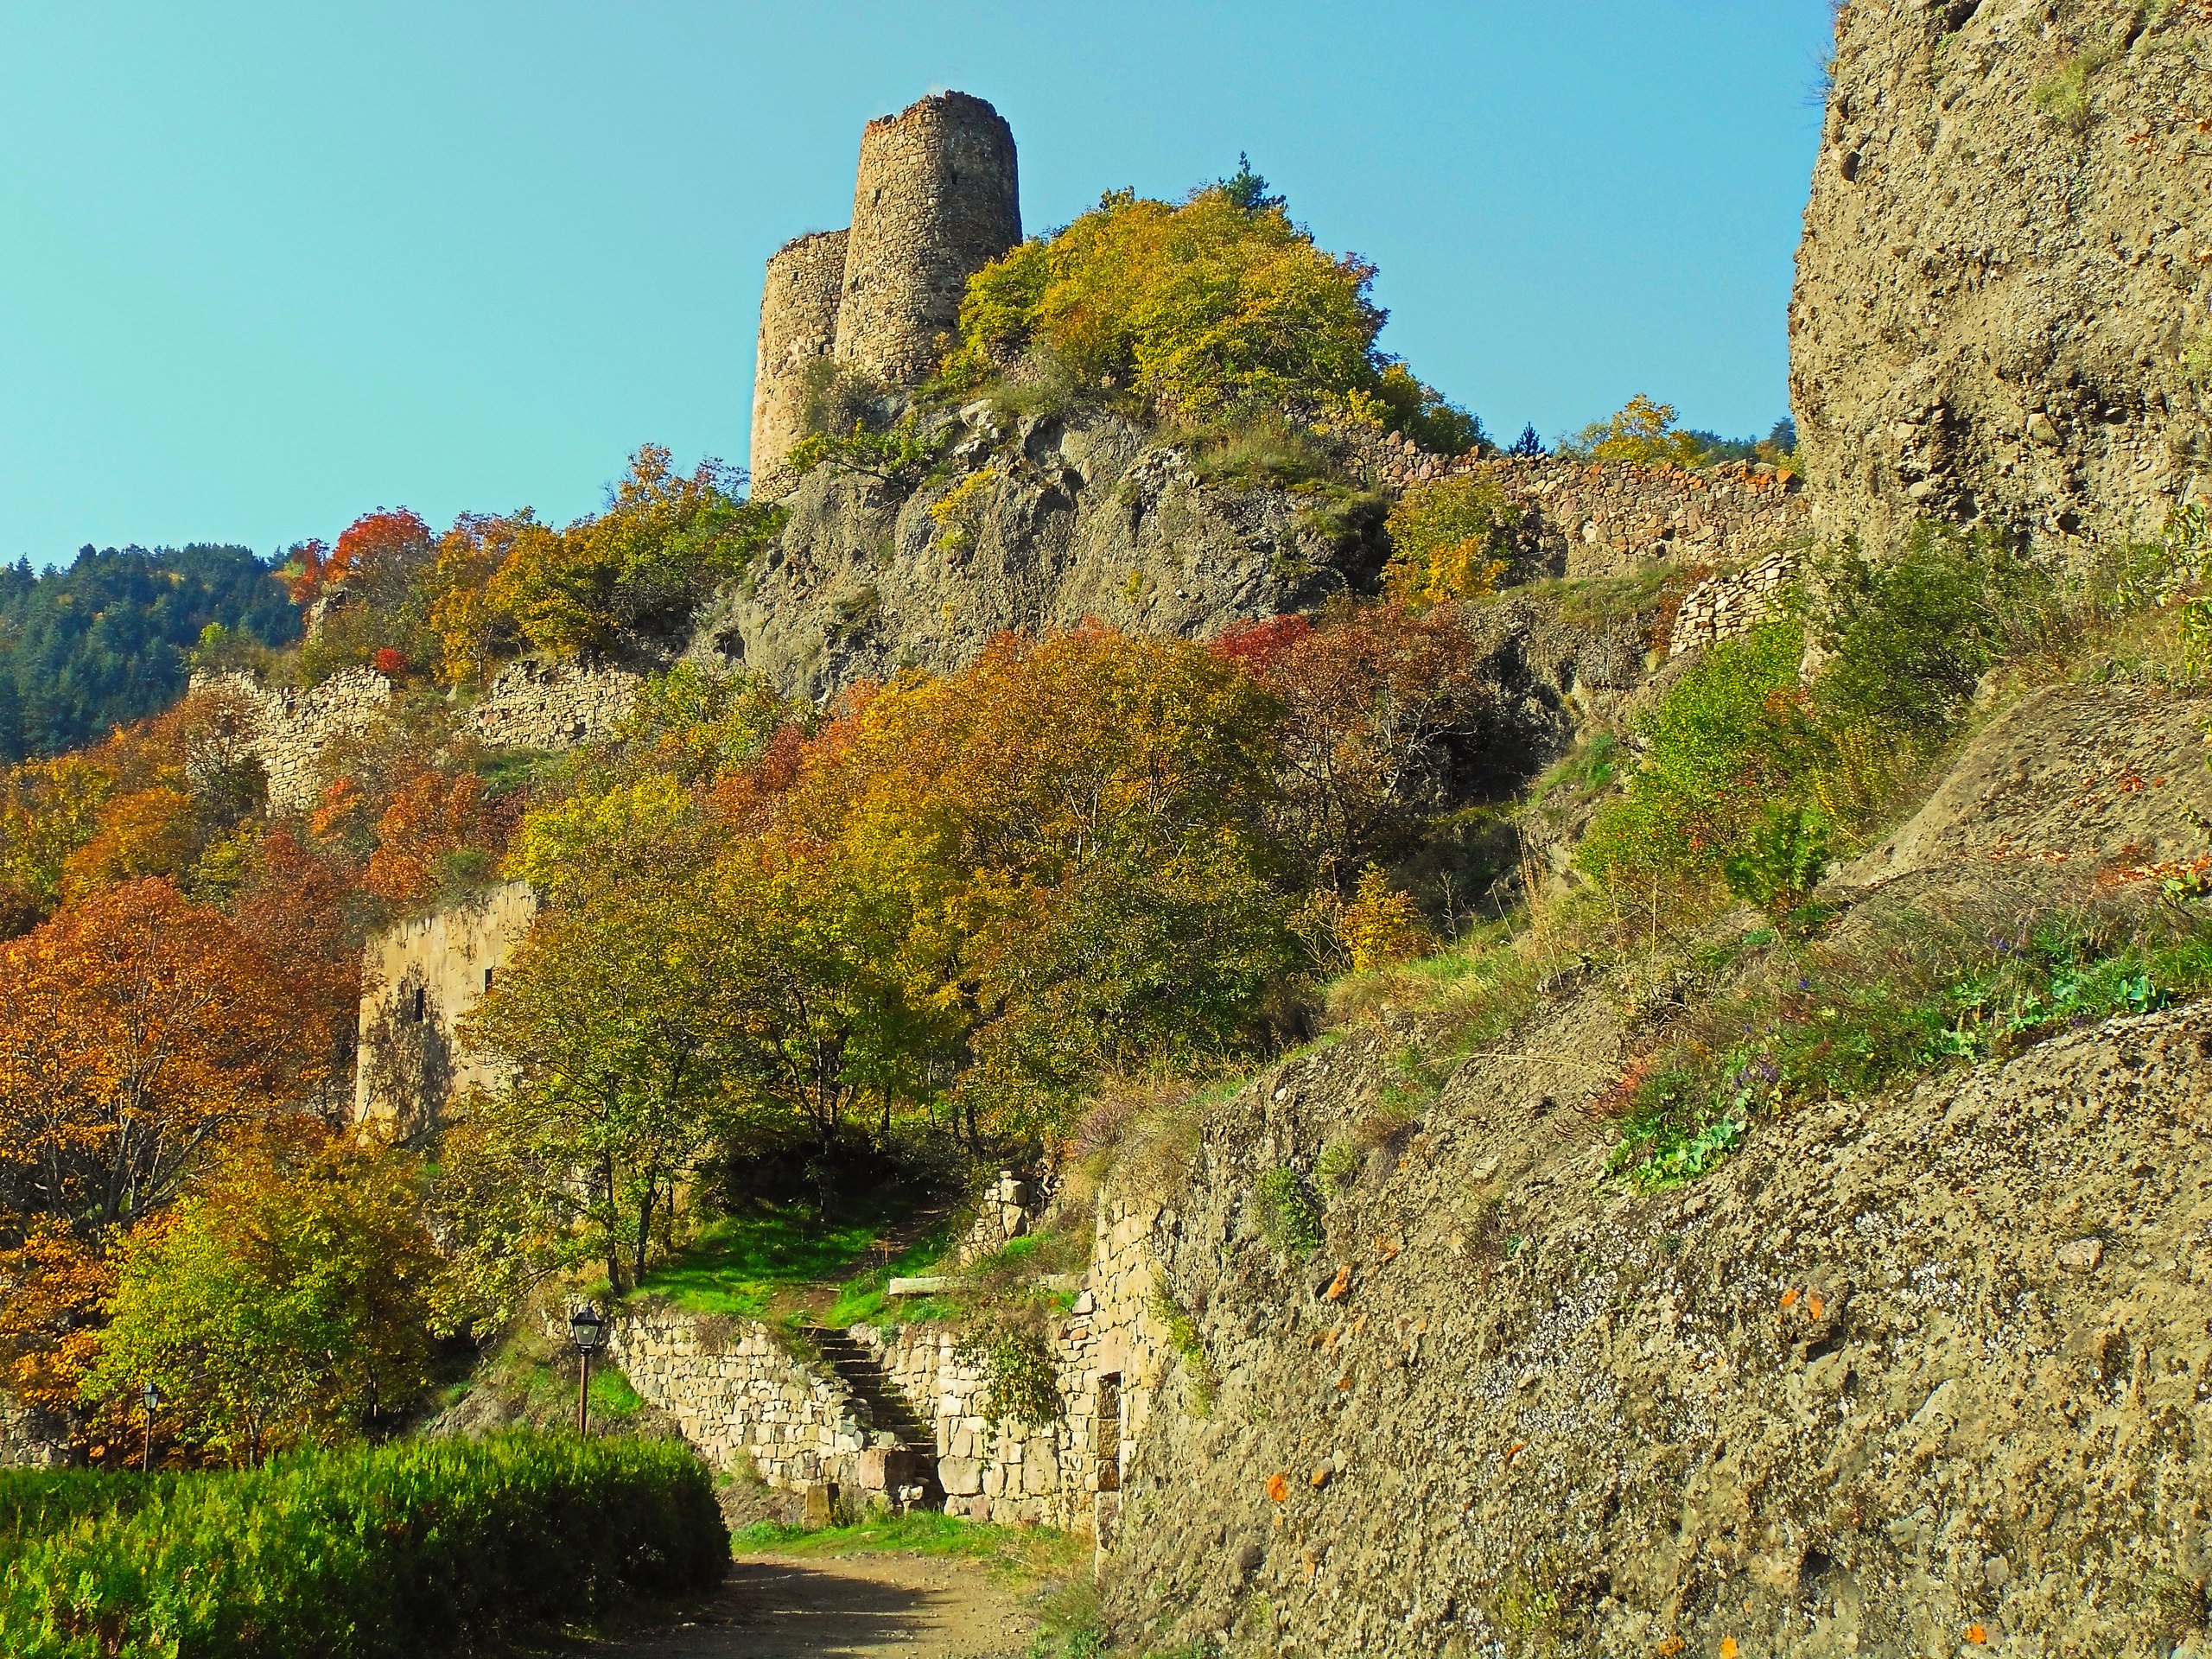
(1781, 859)
(1020, 1380)
(1947, 994)
(1290, 1216)
(1449, 539)
(417, 1549)
(1380, 926)
(1183, 1337)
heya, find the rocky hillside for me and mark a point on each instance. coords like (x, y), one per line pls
(1057, 520)
(1909, 1375)
(2000, 303)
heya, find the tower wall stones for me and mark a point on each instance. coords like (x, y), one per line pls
(419, 980)
(935, 200)
(798, 328)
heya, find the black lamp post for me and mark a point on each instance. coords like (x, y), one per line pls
(152, 1397)
(589, 1329)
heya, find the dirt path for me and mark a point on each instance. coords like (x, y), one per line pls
(775, 1607)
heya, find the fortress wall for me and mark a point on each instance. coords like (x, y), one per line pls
(292, 728)
(419, 980)
(1600, 519)
(935, 201)
(536, 704)
(798, 326)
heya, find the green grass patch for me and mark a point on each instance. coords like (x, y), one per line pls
(1024, 1552)
(741, 1264)
(612, 1395)
(861, 1300)
(417, 1549)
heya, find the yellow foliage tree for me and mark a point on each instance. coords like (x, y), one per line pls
(1199, 307)
(1644, 432)
(1381, 926)
(1450, 539)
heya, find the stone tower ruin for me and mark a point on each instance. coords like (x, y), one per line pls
(798, 328)
(935, 200)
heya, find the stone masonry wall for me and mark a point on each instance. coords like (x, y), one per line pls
(419, 980)
(1730, 603)
(935, 200)
(1599, 519)
(292, 728)
(1069, 1472)
(736, 1396)
(556, 704)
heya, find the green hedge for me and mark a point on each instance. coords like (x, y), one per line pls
(419, 1548)
(37, 1501)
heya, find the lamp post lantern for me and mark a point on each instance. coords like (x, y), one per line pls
(152, 1397)
(588, 1327)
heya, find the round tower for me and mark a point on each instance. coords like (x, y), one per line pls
(798, 326)
(935, 201)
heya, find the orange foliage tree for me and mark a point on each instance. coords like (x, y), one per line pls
(424, 839)
(134, 1028)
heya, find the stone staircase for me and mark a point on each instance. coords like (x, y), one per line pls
(889, 1410)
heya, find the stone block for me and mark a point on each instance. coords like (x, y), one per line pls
(960, 1476)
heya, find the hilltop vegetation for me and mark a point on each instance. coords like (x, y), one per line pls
(103, 641)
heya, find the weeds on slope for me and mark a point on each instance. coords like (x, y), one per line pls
(1933, 992)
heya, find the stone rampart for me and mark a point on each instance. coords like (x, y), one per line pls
(798, 328)
(1599, 519)
(1729, 602)
(292, 727)
(935, 200)
(553, 704)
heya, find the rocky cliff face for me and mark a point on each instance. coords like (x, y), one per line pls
(1899, 1371)
(1059, 521)
(2000, 303)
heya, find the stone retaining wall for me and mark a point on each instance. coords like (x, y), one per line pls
(32, 1438)
(735, 1395)
(1729, 602)
(1067, 1473)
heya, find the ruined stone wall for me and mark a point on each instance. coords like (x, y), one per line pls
(1068, 1473)
(735, 1395)
(32, 1438)
(293, 726)
(935, 201)
(1730, 603)
(798, 328)
(1599, 519)
(2000, 306)
(419, 980)
(553, 704)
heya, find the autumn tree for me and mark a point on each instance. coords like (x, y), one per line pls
(429, 840)
(1201, 308)
(1452, 538)
(1377, 703)
(1078, 826)
(613, 1024)
(134, 1027)
(663, 542)
(284, 1302)
(1644, 432)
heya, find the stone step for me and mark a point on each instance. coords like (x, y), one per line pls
(887, 1406)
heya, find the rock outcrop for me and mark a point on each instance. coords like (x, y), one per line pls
(2000, 307)
(1063, 521)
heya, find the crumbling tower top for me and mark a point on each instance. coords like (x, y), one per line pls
(935, 200)
(798, 328)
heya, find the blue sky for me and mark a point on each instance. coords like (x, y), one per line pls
(270, 266)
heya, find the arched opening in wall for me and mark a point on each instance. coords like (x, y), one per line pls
(1106, 1432)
